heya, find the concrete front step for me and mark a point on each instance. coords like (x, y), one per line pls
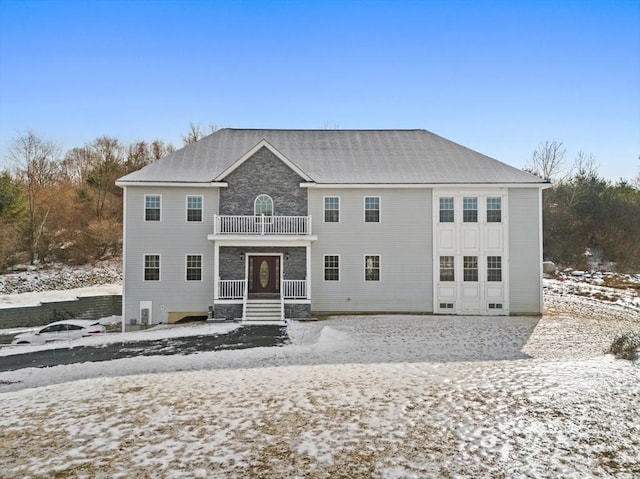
(263, 310)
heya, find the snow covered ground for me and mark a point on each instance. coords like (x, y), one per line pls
(351, 397)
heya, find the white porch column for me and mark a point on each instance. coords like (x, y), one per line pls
(216, 269)
(308, 250)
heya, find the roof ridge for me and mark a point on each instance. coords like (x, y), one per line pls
(325, 129)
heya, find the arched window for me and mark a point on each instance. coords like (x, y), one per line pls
(263, 206)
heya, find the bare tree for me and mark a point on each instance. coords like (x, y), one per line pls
(585, 165)
(77, 164)
(37, 166)
(547, 160)
(109, 165)
(195, 133)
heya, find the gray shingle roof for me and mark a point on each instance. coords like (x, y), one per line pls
(339, 157)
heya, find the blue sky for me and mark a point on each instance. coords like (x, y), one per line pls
(498, 77)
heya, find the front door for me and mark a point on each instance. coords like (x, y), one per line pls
(264, 275)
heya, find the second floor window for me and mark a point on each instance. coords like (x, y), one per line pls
(152, 207)
(263, 206)
(332, 209)
(372, 209)
(494, 210)
(470, 210)
(446, 210)
(194, 208)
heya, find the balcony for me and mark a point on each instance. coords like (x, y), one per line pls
(261, 225)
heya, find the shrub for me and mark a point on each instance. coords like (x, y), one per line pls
(626, 346)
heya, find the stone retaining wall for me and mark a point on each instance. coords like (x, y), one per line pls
(88, 307)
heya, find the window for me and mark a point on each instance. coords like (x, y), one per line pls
(446, 210)
(331, 267)
(446, 305)
(495, 305)
(331, 209)
(194, 208)
(152, 207)
(372, 268)
(470, 210)
(194, 267)
(263, 206)
(446, 268)
(372, 209)
(494, 268)
(494, 210)
(152, 267)
(470, 268)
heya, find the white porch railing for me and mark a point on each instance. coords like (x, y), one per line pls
(294, 288)
(261, 225)
(236, 288)
(231, 288)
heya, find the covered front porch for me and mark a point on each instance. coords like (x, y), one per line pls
(262, 273)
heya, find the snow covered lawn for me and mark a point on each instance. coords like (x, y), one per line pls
(352, 397)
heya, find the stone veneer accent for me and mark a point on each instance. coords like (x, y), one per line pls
(263, 173)
(232, 267)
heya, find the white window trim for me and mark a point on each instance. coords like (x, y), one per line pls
(144, 208)
(364, 209)
(324, 277)
(440, 210)
(486, 209)
(477, 209)
(144, 268)
(324, 209)
(255, 201)
(440, 268)
(487, 268)
(364, 270)
(186, 211)
(186, 268)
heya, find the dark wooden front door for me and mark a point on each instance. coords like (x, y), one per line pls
(264, 275)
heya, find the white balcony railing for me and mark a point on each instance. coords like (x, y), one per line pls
(261, 225)
(231, 288)
(294, 288)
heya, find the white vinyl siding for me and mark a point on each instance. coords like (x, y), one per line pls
(403, 241)
(525, 247)
(172, 242)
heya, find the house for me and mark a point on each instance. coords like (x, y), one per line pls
(271, 224)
